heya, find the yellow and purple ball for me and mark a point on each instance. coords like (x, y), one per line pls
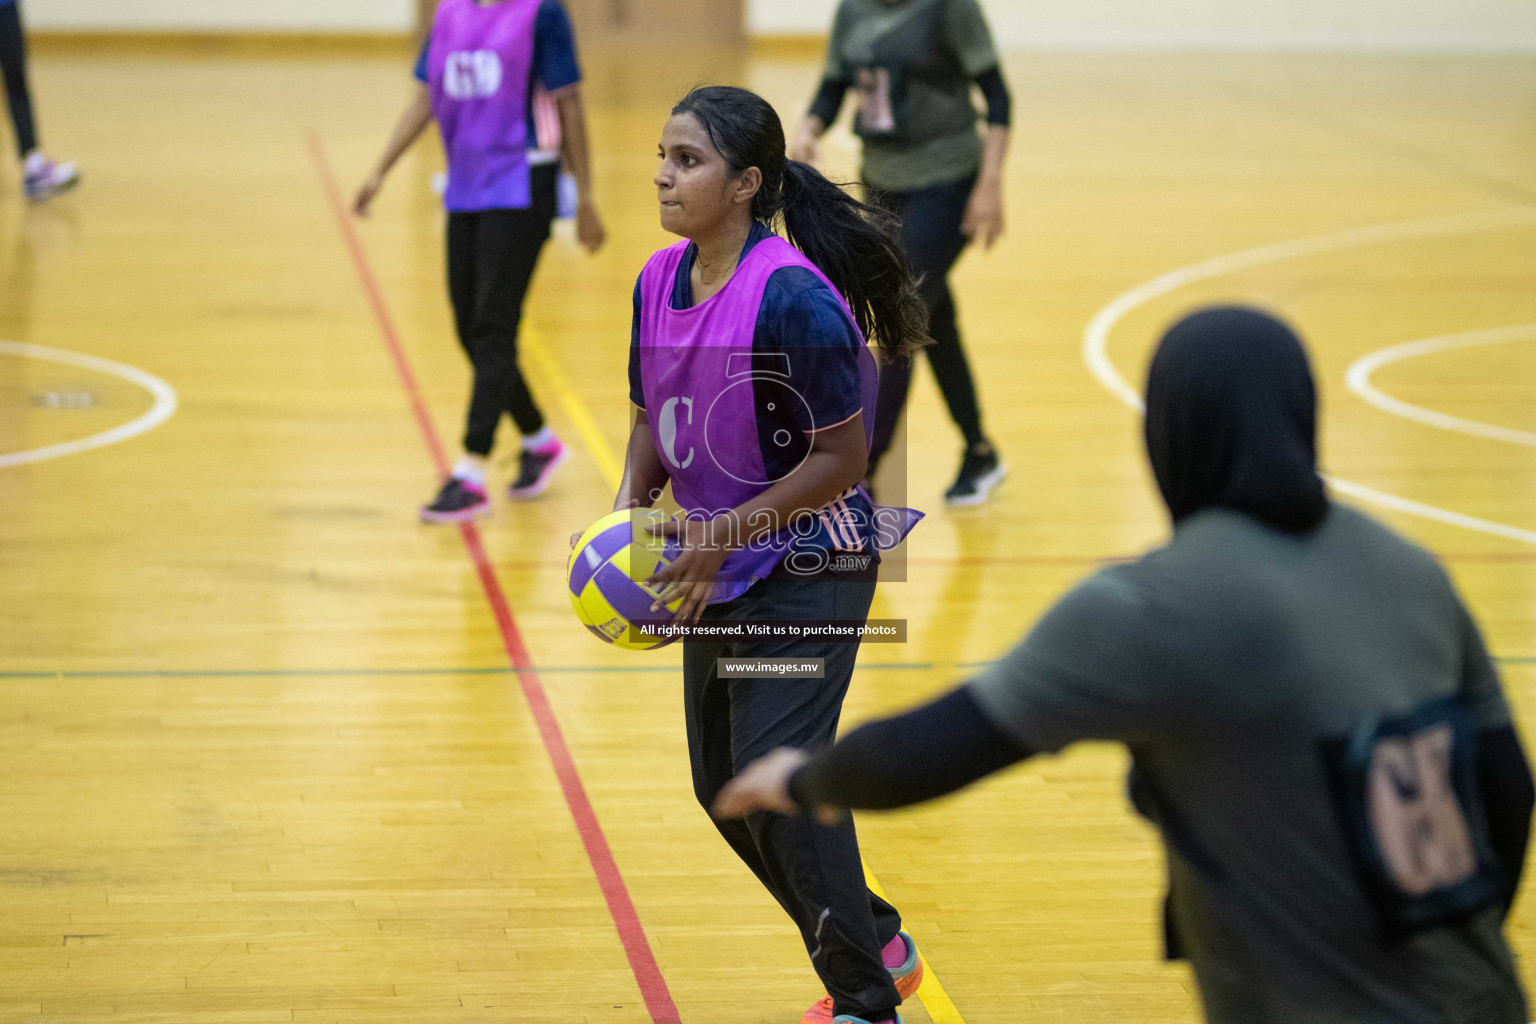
(607, 573)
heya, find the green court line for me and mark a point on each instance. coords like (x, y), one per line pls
(292, 673)
(1519, 660)
(505, 670)
(289, 673)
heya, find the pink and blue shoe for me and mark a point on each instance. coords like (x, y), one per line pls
(906, 967)
(536, 467)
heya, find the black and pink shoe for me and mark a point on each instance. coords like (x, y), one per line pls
(459, 501)
(538, 465)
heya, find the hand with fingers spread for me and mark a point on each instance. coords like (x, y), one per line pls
(764, 786)
(690, 577)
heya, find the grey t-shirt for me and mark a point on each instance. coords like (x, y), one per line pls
(911, 64)
(1223, 661)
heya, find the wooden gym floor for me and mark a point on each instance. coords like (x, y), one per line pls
(271, 750)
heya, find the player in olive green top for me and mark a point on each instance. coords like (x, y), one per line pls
(1315, 726)
(913, 65)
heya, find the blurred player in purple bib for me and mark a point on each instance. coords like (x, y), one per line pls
(501, 79)
(754, 394)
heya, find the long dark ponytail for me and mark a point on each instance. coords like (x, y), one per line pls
(856, 245)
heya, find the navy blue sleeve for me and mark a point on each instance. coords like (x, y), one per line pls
(999, 103)
(554, 47)
(636, 392)
(421, 61)
(829, 100)
(804, 318)
(925, 753)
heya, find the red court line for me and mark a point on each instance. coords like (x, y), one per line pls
(1069, 560)
(658, 1000)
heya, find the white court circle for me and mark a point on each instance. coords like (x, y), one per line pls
(1358, 378)
(164, 406)
(1096, 336)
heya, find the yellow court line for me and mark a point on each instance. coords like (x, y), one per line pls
(935, 1000)
(586, 424)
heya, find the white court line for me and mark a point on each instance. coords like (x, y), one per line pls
(1096, 335)
(1358, 378)
(163, 408)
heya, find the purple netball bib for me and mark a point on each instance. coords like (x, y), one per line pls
(729, 421)
(478, 69)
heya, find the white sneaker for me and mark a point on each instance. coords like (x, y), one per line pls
(978, 475)
(50, 178)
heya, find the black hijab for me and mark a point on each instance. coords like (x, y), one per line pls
(1232, 420)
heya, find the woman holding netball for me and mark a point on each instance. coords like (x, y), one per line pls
(753, 385)
(912, 65)
(502, 81)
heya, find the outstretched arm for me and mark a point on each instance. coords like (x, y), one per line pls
(1084, 671)
(926, 753)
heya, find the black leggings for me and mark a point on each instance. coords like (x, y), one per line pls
(813, 870)
(930, 232)
(491, 258)
(13, 66)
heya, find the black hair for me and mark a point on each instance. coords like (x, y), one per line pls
(856, 245)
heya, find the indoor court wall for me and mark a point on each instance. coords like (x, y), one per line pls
(1407, 25)
(382, 16)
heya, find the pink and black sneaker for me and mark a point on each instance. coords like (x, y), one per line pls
(459, 501)
(537, 466)
(44, 178)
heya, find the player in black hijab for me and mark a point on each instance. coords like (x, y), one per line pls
(1315, 726)
(1232, 420)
